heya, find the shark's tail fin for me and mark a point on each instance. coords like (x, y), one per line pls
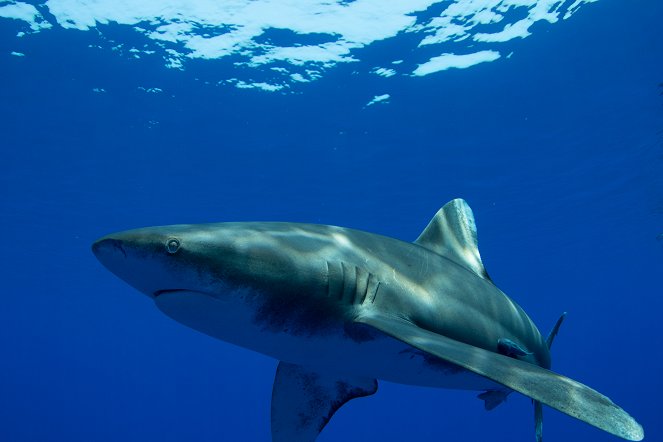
(538, 407)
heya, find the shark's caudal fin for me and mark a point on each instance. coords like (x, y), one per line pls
(538, 420)
(303, 400)
(556, 391)
(453, 234)
(538, 407)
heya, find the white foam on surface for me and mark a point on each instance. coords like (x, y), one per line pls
(24, 12)
(150, 90)
(384, 72)
(282, 43)
(258, 85)
(379, 99)
(448, 61)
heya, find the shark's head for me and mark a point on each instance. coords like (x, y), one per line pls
(208, 258)
(251, 272)
(156, 260)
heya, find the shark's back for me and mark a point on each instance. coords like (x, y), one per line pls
(436, 288)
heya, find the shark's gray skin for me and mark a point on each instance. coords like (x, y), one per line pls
(341, 308)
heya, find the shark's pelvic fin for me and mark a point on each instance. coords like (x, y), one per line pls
(452, 233)
(552, 389)
(303, 401)
(492, 398)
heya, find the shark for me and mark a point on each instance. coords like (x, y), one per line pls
(341, 309)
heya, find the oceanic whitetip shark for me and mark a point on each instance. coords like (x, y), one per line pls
(341, 308)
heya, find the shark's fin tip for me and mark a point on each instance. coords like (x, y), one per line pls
(452, 233)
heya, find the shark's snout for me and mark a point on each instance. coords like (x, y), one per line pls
(106, 246)
(125, 255)
(113, 252)
(150, 259)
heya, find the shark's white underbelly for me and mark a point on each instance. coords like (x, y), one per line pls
(332, 348)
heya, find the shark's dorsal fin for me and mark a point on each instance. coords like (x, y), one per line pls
(453, 234)
(304, 400)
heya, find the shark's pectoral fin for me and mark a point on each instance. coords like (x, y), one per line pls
(303, 401)
(552, 389)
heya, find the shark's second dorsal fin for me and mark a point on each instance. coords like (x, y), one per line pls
(453, 234)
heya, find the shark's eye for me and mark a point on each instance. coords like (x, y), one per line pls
(172, 245)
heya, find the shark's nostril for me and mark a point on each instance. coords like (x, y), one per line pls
(108, 244)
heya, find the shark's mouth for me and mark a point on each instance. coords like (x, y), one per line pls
(161, 292)
(159, 295)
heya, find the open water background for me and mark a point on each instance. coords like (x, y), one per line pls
(558, 150)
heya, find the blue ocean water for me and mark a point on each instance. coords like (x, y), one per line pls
(556, 146)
